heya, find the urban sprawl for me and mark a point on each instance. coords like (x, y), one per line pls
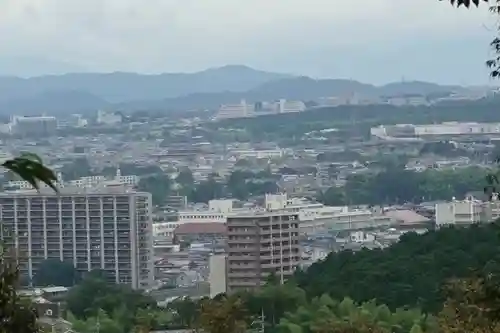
(209, 201)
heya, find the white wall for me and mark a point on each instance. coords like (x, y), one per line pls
(221, 206)
(217, 274)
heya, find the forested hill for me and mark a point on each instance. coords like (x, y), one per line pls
(409, 273)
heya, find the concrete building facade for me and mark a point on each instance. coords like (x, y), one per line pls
(259, 244)
(106, 229)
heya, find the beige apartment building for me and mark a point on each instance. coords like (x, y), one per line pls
(107, 228)
(258, 244)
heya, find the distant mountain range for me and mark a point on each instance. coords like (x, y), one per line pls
(82, 92)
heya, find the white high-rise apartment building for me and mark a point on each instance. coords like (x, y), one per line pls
(285, 106)
(105, 228)
(241, 110)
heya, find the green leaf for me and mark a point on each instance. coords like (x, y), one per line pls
(31, 169)
(466, 3)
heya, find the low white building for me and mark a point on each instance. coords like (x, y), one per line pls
(285, 106)
(252, 153)
(465, 212)
(108, 118)
(216, 213)
(240, 110)
(316, 218)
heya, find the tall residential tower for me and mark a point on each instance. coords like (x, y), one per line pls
(259, 244)
(107, 228)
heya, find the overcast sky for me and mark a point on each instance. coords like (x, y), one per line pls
(368, 40)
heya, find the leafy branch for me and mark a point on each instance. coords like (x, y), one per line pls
(494, 6)
(30, 168)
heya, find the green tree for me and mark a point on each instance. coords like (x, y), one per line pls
(94, 293)
(207, 190)
(101, 323)
(185, 178)
(158, 185)
(408, 273)
(274, 300)
(149, 319)
(333, 196)
(243, 163)
(186, 312)
(472, 305)
(227, 315)
(54, 272)
(17, 315)
(494, 6)
(323, 314)
(77, 169)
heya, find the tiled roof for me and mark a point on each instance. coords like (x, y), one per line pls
(201, 228)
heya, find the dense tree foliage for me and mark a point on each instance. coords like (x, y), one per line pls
(240, 184)
(323, 314)
(409, 273)
(159, 185)
(396, 185)
(186, 312)
(273, 301)
(207, 190)
(472, 305)
(16, 313)
(54, 272)
(452, 274)
(368, 291)
(113, 308)
(353, 121)
(185, 178)
(78, 168)
(94, 294)
(225, 315)
(285, 309)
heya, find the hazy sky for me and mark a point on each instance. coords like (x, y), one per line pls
(369, 40)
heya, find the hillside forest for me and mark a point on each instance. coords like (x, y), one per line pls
(442, 281)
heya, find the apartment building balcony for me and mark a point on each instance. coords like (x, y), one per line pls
(241, 284)
(244, 257)
(235, 237)
(242, 249)
(277, 267)
(122, 260)
(265, 245)
(250, 274)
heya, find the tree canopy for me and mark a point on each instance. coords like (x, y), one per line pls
(54, 272)
(94, 294)
(397, 185)
(409, 273)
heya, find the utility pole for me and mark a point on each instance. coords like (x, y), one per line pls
(98, 325)
(259, 322)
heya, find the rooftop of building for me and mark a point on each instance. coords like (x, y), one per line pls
(201, 228)
(407, 216)
(107, 188)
